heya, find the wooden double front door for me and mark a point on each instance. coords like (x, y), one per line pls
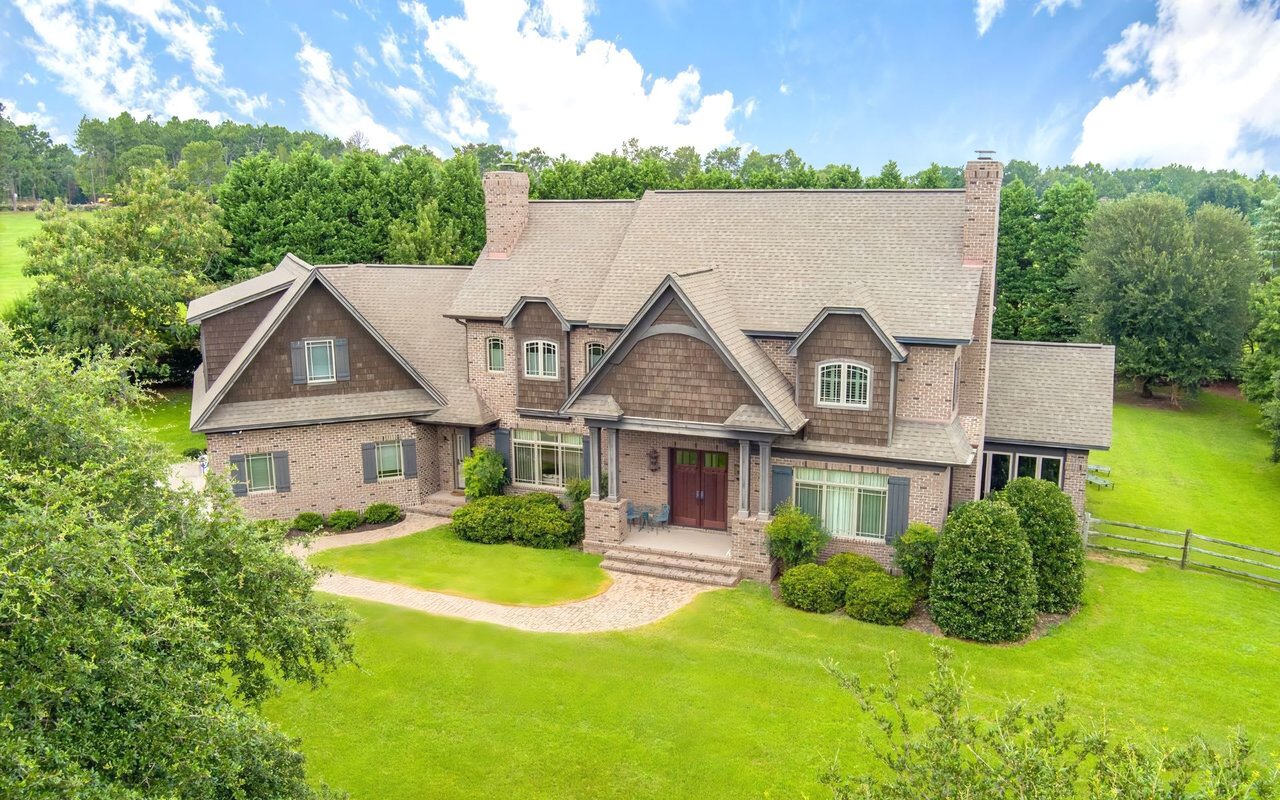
(700, 489)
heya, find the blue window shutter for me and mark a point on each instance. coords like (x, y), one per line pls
(899, 503)
(409, 455)
(238, 476)
(280, 466)
(782, 479)
(369, 457)
(586, 457)
(341, 360)
(502, 443)
(299, 356)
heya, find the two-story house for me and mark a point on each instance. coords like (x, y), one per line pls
(714, 352)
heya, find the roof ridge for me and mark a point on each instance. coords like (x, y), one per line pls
(1079, 345)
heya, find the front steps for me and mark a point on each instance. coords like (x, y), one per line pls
(689, 567)
(440, 504)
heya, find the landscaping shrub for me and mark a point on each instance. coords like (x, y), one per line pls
(810, 587)
(535, 499)
(794, 536)
(379, 513)
(307, 522)
(484, 472)
(916, 550)
(880, 598)
(487, 520)
(192, 453)
(576, 493)
(1049, 522)
(343, 520)
(848, 566)
(542, 525)
(275, 528)
(984, 585)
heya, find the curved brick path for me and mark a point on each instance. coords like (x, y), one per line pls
(631, 601)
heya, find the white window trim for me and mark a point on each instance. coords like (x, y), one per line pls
(543, 344)
(844, 377)
(307, 344)
(488, 354)
(590, 346)
(271, 474)
(858, 490)
(377, 461)
(1014, 455)
(537, 445)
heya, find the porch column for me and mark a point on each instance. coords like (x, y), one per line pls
(766, 485)
(594, 455)
(744, 477)
(613, 465)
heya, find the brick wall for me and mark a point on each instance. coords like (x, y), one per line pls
(325, 467)
(506, 211)
(1074, 472)
(578, 339)
(644, 486)
(497, 389)
(776, 349)
(925, 384)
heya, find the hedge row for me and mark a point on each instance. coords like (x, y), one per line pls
(345, 519)
(856, 582)
(532, 520)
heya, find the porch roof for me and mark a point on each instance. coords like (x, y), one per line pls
(914, 442)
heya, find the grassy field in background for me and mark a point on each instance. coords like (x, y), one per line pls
(168, 417)
(14, 227)
(438, 560)
(1204, 467)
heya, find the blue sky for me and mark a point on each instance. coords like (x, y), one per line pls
(1053, 81)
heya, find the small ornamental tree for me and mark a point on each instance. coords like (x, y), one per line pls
(484, 472)
(914, 555)
(1049, 522)
(984, 584)
(794, 536)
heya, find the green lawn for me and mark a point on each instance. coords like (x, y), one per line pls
(14, 227)
(1205, 467)
(502, 573)
(168, 417)
(728, 699)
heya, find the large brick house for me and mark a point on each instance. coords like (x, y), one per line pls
(716, 352)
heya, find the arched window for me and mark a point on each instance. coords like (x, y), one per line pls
(595, 352)
(541, 359)
(497, 359)
(844, 384)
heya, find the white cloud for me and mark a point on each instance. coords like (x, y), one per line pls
(408, 101)
(985, 13)
(19, 117)
(389, 48)
(1211, 80)
(749, 107)
(27, 79)
(330, 104)
(559, 89)
(366, 56)
(783, 88)
(1052, 6)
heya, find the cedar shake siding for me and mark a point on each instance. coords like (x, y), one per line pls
(222, 336)
(269, 376)
(536, 321)
(676, 377)
(845, 336)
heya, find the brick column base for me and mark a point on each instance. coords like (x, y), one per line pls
(750, 547)
(605, 524)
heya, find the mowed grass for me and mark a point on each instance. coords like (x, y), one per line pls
(1206, 467)
(728, 697)
(168, 417)
(438, 560)
(14, 227)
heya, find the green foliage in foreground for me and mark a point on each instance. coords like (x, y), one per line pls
(142, 625)
(1022, 752)
(439, 561)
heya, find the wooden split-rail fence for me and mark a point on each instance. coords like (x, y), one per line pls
(1186, 548)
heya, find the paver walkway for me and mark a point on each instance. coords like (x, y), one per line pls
(630, 602)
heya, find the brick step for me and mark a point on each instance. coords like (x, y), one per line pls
(434, 509)
(660, 558)
(673, 573)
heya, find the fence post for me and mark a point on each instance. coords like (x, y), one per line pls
(1084, 531)
(1186, 548)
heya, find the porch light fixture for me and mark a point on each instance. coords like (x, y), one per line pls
(653, 460)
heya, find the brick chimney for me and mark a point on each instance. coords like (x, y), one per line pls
(506, 211)
(982, 180)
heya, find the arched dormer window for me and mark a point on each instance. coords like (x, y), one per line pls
(844, 384)
(541, 359)
(595, 352)
(497, 354)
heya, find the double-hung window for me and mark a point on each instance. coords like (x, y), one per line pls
(844, 384)
(260, 470)
(496, 353)
(595, 352)
(320, 361)
(390, 460)
(541, 359)
(847, 504)
(546, 459)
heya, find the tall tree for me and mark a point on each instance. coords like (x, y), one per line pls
(462, 200)
(425, 238)
(889, 178)
(1063, 218)
(1268, 233)
(1015, 263)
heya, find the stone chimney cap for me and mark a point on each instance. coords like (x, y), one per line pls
(507, 166)
(985, 155)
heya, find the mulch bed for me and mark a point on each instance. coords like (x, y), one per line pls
(292, 534)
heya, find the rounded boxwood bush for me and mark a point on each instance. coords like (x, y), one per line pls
(916, 550)
(484, 472)
(487, 520)
(307, 522)
(810, 587)
(343, 520)
(984, 586)
(1049, 522)
(794, 536)
(379, 513)
(848, 566)
(542, 525)
(880, 598)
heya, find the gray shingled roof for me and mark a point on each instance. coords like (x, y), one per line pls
(563, 254)
(1052, 394)
(286, 272)
(913, 441)
(321, 408)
